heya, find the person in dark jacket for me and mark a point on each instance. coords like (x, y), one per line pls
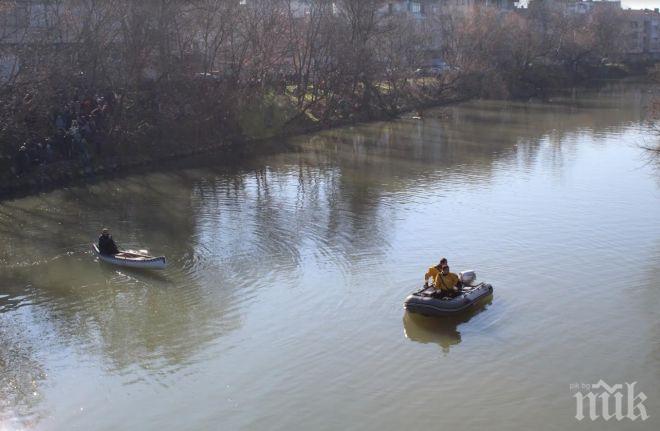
(107, 244)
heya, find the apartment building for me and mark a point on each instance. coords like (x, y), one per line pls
(421, 8)
(643, 34)
(576, 6)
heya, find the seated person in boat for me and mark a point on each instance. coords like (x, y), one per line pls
(107, 244)
(446, 283)
(434, 271)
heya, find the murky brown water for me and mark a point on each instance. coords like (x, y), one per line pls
(282, 305)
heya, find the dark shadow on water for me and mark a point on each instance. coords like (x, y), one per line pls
(442, 331)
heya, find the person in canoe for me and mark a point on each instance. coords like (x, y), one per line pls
(433, 272)
(107, 245)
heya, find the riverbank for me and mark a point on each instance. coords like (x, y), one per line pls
(263, 128)
(66, 173)
(268, 135)
(113, 100)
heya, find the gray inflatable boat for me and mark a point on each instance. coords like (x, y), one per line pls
(427, 303)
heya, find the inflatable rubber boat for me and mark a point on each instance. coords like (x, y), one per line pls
(428, 303)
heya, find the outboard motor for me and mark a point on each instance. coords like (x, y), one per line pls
(468, 278)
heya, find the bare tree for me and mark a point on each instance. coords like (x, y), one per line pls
(189, 72)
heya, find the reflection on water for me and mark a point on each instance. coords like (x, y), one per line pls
(21, 377)
(440, 330)
(286, 277)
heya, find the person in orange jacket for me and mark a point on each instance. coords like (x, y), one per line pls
(433, 271)
(446, 283)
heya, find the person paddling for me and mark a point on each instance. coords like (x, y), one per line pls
(107, 245)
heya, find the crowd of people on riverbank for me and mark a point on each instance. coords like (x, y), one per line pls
(78, 132)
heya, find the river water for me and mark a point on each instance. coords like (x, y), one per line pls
(281, 308)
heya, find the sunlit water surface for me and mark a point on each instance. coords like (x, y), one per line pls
(281, 308)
